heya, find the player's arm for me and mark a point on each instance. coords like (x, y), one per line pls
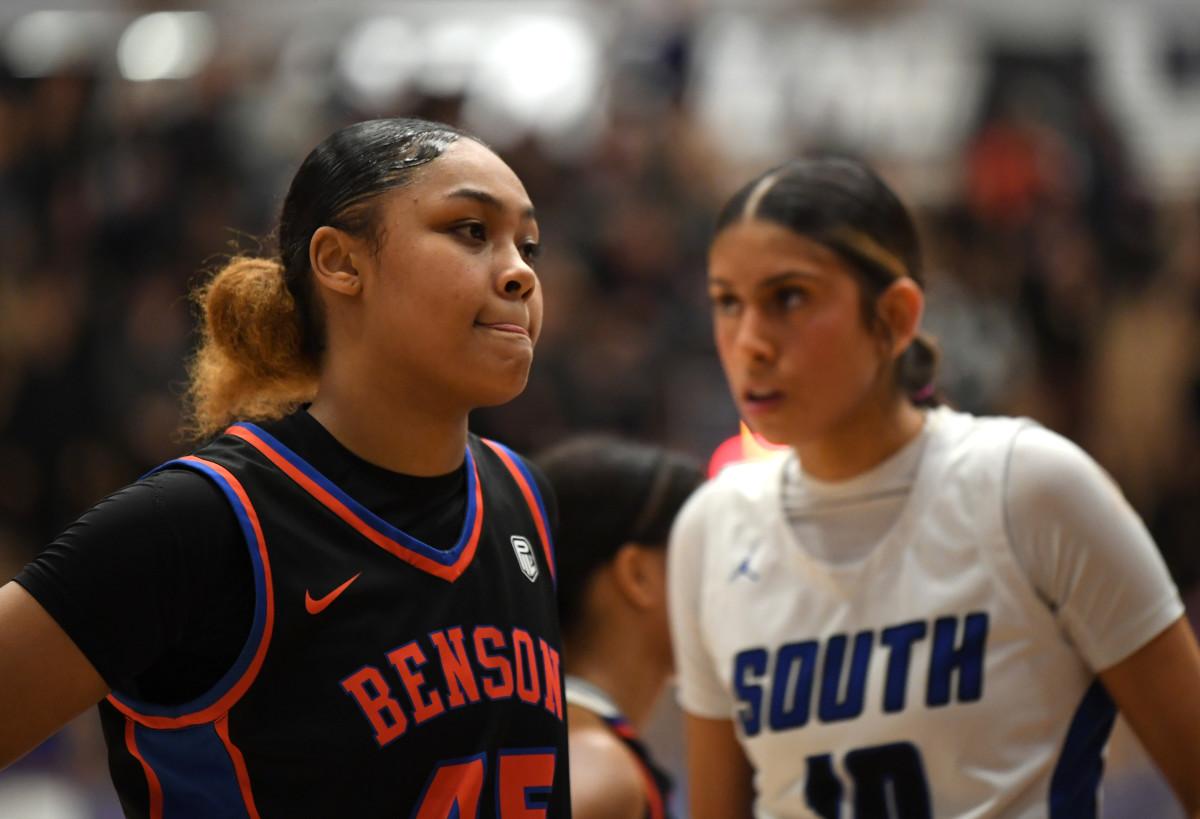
(1157, 689)
(605, 783)
(1090, 556)
(45, 680)
(720, 779)
(107, 597)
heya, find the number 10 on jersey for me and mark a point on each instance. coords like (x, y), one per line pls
(889, 781)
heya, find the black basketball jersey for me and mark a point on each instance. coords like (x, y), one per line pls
(382, 677)
(657, 784)
(656, 781)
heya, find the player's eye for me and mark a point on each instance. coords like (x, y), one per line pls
(724, 304)
(789, 298)
(474, 231)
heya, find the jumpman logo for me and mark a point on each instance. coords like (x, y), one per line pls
(743, 569)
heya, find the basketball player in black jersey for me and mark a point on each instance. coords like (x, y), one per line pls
(617, 500)
(343, 604)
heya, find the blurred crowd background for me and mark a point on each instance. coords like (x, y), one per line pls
(1051, 150)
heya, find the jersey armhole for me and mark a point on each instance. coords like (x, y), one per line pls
(217, 701)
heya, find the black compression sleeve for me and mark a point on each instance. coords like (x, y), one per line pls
(153, 584)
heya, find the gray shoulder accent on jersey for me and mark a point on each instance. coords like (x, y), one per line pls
(586, 695)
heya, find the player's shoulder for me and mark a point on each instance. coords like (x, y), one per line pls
(742, 491)
(954, 424)
(964, 438)
(1046, 464)
(1034, 464)
(737, 485)
(605, 780)
(495, 458)
(172, 488)
(493, 452)
(496, 455)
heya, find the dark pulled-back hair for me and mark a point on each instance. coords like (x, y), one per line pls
(262, 331)
(339, 184)
(610, 492)
(843, 204)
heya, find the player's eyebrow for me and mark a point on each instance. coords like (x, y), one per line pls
(773, 281)
(487, 199)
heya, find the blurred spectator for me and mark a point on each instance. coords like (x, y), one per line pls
(1059, 286)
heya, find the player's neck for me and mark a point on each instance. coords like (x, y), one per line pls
(862, 442)
(633, 681)
(400, 439)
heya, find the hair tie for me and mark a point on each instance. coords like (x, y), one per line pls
(923, 394)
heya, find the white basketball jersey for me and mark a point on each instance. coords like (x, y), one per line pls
(927, 679)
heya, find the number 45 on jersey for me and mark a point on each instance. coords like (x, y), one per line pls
(524, 778)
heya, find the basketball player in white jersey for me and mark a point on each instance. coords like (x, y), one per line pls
(911, 611)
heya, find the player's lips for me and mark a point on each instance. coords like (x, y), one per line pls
(756, 401)
(506, 328)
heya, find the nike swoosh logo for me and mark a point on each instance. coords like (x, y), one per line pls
(321, 603)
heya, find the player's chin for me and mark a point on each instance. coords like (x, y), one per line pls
(503, 384)
(776, 431)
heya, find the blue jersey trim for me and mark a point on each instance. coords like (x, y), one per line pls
(197, 777)
(1076, 779)
(443, 557)
(535, 489)
(257, 627)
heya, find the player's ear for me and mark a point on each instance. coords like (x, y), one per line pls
(335, 257)
(638, 576)
(900, 308)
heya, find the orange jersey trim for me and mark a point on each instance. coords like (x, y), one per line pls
(239, 766)
(152, 784)
(449, 572)
(654, 802)
(225, 702)
(653, 798)
(530, 499)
